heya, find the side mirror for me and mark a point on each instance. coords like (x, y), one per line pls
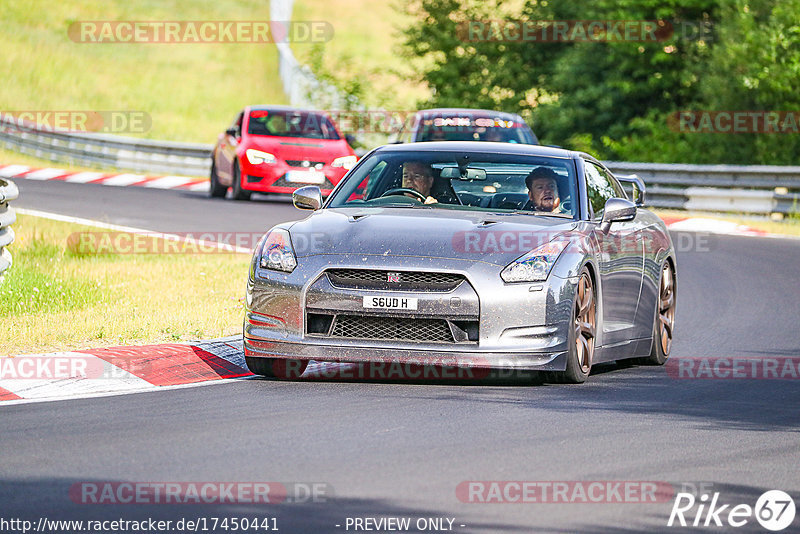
(350, 138)
(307, 198)
(231, 131)
(617, 210)
(638, 187)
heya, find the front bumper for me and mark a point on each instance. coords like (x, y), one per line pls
(348, 353)
(521, 326)
(273, 178)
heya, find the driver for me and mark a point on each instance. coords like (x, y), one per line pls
(277, 124)
(493, 135)
(542, 184)
(419, 177)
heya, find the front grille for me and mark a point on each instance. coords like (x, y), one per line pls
(299, 163)
(397, 280)
(282, 182)
(392, 328)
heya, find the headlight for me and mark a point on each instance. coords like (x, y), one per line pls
(257, 157)
(535, 265)
(346, 162)
(277, 253)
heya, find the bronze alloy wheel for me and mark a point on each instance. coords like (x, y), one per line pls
(666, 309)
(585, 323)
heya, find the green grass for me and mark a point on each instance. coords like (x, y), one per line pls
(55, 299)
(31, 289)
(191, 91)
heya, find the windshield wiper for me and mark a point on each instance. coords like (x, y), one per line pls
(545, 214)
(401, 206)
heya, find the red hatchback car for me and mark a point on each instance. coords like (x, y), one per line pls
(275, 149)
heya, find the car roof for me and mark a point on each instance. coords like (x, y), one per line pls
(468, 112)
(482, 146)
(266, 107)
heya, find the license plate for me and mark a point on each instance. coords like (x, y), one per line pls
(305, 177)
(391, 303)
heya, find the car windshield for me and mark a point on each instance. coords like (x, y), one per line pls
(291, 124)
(474, 181)
(465, 128)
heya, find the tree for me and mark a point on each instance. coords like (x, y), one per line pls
(616, 97)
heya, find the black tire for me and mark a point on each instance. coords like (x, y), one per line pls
(216, 189)
(238, 192)
(584, 324)
(664, 321)
(276, 367)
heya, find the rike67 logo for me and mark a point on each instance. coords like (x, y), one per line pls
(774, 510)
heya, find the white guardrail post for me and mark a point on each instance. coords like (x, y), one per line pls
(300, 86)
(8, 192)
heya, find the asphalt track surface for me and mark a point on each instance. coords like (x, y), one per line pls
(401, 449)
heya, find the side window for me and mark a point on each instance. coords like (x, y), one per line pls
(599, 187)
(619, 191)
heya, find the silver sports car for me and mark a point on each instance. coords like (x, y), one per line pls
(484, 255)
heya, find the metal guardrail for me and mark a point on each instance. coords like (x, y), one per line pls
(754, 189)
(8, 192)
(155, 157)
(92, 150)
(751, 189)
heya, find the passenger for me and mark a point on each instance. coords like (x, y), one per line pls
(542, 184)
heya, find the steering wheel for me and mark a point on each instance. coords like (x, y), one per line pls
(404, 190)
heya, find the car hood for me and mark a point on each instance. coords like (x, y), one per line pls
(296, 148)
(424, 233)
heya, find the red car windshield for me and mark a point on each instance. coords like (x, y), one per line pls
(291, 124)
